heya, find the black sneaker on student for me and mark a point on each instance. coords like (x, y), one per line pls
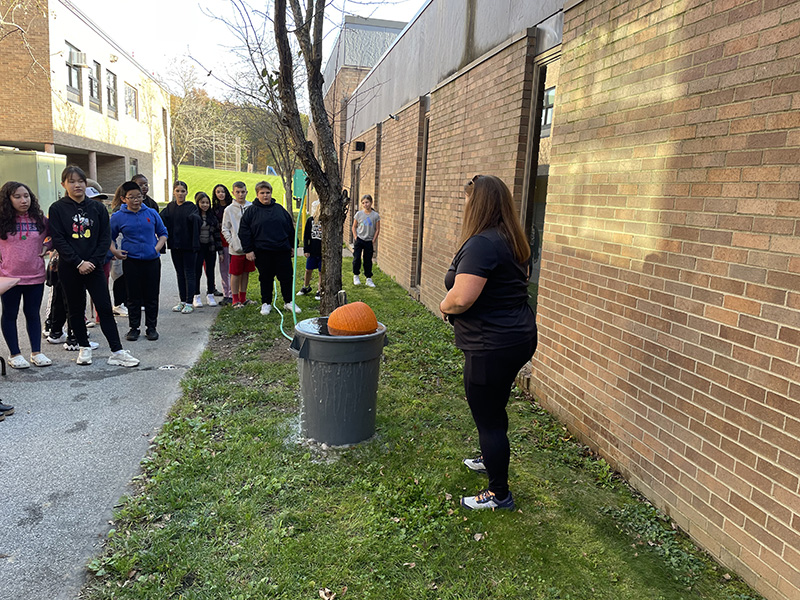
(487, 499)
(151, 334)
(475, 464)
(217, 293)
(304, 290)
(132, 335)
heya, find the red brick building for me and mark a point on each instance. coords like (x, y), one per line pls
(655, 146)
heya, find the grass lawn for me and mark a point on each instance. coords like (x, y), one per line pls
(202, 179)
(232, 505)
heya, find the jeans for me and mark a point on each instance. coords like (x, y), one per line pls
(185, 262)
(366, 247)
(31, 297)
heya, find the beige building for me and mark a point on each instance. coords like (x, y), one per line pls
(71, 90)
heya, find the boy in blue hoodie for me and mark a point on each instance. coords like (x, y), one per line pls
(143, 237)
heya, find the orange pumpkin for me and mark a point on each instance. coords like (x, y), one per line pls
(352, 319)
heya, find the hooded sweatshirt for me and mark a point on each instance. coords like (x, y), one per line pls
(21, 252)
(80, 231)
(266, 227)
(231, 219)
(183, 224)
(140, 231)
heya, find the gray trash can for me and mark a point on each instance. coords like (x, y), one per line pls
(338, 382)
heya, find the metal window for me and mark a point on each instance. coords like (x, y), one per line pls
(111, 95)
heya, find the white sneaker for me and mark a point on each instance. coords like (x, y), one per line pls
(369, 282)
(197, 303)
(266, 309)
(356, 280)
(57, 340)
(292, 306)
(121, 310)
(122, 358)
(210, 300)
(84, 356)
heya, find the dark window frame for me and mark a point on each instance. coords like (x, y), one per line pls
(112, 104)
(95, 89)
(547, 111)
(74, 76)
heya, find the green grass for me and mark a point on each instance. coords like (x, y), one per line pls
(202, 179)
(232, 505)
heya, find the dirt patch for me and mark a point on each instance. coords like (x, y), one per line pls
(230, 348)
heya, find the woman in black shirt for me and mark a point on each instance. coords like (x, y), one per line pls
(487, 302)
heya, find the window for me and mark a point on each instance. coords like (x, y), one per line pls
(95, 95)
(547, 110)
(74, 80)
(133, 167)
(111, 95)
(131, 102)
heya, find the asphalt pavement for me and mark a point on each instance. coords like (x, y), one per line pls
(76, 439)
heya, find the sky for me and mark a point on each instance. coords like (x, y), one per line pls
(173, 29)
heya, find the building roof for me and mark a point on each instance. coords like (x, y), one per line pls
(360, 43)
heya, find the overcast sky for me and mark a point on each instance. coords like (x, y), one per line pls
(160, 32)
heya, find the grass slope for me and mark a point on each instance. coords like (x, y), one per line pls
(233, 506)
(203, 179)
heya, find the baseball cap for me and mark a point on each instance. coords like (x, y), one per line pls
(94, 194)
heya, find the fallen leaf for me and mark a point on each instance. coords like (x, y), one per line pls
(477, 537)
(448, 496)
(326, 594)
(410, 565)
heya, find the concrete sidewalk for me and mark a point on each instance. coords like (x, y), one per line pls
(75, 441)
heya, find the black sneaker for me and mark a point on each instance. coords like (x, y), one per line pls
(132, 335)
(71, 344)
(475, 464)
(6, 410)
(151, 334)
(217, 293)
(487, 499)
(304, 290)
(318, 296)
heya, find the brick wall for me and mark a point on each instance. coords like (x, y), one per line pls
(478, 125)
(669, 302)
(25, 106)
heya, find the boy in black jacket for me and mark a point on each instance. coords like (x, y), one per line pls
(267, 236)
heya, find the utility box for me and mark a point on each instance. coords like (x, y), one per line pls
(40, 171)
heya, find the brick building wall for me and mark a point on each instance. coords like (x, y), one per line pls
(25, 106)
(478, 125)
(669, 302)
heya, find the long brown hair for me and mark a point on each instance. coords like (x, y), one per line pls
(489, 204)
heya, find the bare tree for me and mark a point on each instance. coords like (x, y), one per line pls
(325, 175)
(18, 18)
(195, 117)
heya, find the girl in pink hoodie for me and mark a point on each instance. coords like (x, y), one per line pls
(23, 231)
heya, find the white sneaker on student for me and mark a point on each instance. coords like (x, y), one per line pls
(356, 280)
(121, 310)
(122, 358)
(210, 300)
(266, 309)
(84, 356)
(292, 306)
(197, 302)
(369, 282)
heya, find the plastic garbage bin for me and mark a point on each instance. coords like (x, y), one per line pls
(338, 382)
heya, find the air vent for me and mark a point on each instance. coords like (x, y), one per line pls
(361, 146)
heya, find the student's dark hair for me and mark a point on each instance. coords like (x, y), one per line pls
(179, 182)
(73, 170)
(199, 196)
(490, 205)
(263, 184)
(8, 216)
(215, 203)
(239, 184)
(139, 176)
(130, 186)
(367, 197)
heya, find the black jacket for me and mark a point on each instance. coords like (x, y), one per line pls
(183, 224)
(80, 231)
(266, 227)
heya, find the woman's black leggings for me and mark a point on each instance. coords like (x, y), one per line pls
(185, 262)
(207, 256)
(31, 297)
(75, 288)
(488, 377)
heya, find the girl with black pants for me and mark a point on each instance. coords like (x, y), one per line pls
(183, 225)
(210, 247)
(81, 234)
(487, 302)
